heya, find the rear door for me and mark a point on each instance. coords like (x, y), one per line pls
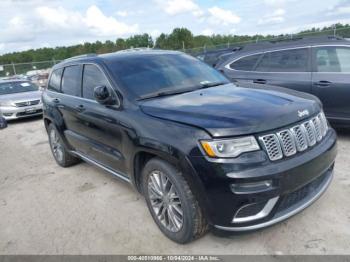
(68, 104)
(331, 80)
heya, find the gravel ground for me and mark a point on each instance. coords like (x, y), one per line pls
(46, 209)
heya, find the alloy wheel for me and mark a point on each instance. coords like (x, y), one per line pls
(56, 145)
(165, 201)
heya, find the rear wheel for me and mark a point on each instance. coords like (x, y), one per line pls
(61, 155)
(171, 202)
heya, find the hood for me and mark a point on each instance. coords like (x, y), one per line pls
(21, 97)
(230, 110)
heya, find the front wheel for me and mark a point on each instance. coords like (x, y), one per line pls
(171, 202)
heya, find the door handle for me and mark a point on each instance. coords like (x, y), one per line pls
(323, 83)
(56, 100)
(80, 108)
(259, 81)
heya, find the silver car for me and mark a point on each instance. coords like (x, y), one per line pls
(19, 99)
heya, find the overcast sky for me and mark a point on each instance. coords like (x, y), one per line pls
(29, 24)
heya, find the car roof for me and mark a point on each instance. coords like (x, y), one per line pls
(112, 57)
(292, 43)
(280, 44)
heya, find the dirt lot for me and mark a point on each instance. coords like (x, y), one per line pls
(46, 209)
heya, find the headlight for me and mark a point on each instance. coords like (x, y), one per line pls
(229, 147)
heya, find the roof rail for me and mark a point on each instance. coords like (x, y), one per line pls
(80, 56)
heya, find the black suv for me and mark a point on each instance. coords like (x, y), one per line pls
(316, 65)
(201, 150)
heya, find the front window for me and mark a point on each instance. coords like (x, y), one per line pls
(16, 87)
(147, 74)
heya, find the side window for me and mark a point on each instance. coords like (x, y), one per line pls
(332, 59)
(55, 80)
(293, 60)
(71, 84)
(92, 77)
(245, 63)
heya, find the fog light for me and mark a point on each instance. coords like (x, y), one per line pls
(7, 114)
(252, 187)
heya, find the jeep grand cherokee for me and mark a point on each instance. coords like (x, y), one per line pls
(201, 150)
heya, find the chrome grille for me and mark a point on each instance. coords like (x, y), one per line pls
(27, 103)
(310, 132)
(272, 146)
(300, 138)
(296, 139)
(287, 142)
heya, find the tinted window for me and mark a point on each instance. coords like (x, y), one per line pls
(55, 80)
(92, 77)
(151, 73)
(16, 87)
(245, 63)
(71, 81)
(332, 59)
(295, 60)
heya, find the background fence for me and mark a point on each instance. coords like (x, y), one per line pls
(23, 68)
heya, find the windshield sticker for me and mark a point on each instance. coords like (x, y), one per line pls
(25, 84)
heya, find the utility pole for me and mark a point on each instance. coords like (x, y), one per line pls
(334, 30)
(14, 69)
(183, 45)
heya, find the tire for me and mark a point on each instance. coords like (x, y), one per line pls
(60, 153)
(177, 197)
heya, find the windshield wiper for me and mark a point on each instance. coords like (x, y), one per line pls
(172, 91)
(212, 84)
(166, 92)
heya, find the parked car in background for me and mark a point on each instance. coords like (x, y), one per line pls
(200, 149)
(19, 99)
(317, 65)
(212, 57)
(40, 79)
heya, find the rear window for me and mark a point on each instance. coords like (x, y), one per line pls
(294, 60)
(246, 63)
(332, 59)
(71, 81)
(55, 80)
(16, 87)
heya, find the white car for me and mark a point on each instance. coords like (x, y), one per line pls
(19, 99)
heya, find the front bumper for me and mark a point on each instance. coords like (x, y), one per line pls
(296, 182)
(11, 112)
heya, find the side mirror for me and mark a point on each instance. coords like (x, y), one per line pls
(3, 122)
(104, 96)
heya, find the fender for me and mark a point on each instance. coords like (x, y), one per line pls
(177, 158)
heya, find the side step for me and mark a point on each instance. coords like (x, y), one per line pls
(95, 163)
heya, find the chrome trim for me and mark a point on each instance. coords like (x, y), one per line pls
(95, 163)
(283, 142)
(297, 138)
(263, 213)
(276, 142)
(305, 204)
(227, 66)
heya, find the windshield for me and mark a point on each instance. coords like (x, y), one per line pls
(149, 74)
(16, 87)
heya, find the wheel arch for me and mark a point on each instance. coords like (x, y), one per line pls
(176, 158)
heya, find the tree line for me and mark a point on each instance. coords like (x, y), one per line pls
(179, 38)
